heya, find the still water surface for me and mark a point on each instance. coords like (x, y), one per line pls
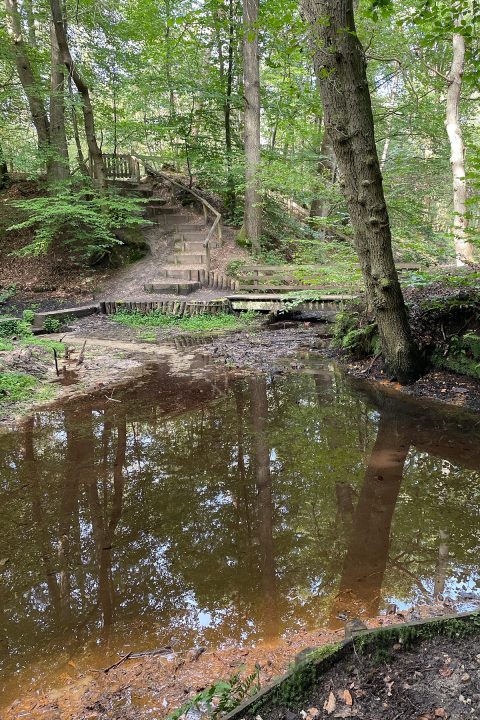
(206, 509)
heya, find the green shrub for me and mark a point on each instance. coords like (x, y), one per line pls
(51, 325)
(28, 316)
(16, 386)
(14, 327)
(81, 216)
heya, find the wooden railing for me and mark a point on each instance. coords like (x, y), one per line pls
(151, 166)
(120, 167)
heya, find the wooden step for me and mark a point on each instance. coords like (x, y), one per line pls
(171, 212)
(157, 203)
(185, 287)
(194, 272)
(190, 227)
(186, 259)
(193, 246)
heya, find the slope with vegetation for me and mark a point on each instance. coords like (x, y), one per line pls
(337, 135)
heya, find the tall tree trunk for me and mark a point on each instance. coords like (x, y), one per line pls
(252, 220)
(463, 249)
(58, 137)
(259, 408)
(4, 177)
(231, 195)
(76, 134)
(341, 70)
(98, 169)
(30, 84)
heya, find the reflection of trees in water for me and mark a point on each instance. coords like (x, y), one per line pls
(257, 509)
(368, 548)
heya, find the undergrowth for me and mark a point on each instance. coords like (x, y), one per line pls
(194, 323)
(222, 697)
(17, 387)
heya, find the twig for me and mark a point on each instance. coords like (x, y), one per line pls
(82, 352)
(119, 662)
(112, 399)
(56, 362)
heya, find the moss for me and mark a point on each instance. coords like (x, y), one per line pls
(375, 643)
(242, 240)
(407, 635)
(300, 681)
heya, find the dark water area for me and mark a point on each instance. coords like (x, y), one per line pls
(203, 508)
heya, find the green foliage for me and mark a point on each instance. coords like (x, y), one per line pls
(193, 323)
(7, 293)
(28, 316)
(5, 345)
(353, 333)
(222, 697)
(234, 268)
(43, 343)
(13, 327)
(52, 325)
(15, 387)
(80, 216)
(462, 355)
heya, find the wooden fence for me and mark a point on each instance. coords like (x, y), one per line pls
(179, 308)
(121, 167)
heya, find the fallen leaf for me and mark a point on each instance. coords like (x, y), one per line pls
(330, 704)
(347, 697)
(445, 671)
(440, 713)
(313, 712)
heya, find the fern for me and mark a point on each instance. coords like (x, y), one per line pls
(222, 697)
(83, 217)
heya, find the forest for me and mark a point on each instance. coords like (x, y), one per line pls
(239, 358)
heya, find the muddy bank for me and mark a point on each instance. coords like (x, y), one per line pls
(155, 685)
(268, 347)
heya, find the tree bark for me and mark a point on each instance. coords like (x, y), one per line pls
(60, 169)
(340, 66)
(98, 169)
(76, 134)
(252, 219)
(231, 195)
(4, 176)
(30, 84)
(463, 249)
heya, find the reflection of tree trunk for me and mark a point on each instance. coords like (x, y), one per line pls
(240, 405)
(68, 508)
(367, 554)
(259, 408)
(31, 476)
(442, 565)
(345, 495)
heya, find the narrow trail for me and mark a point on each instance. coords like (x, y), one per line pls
(174, 236)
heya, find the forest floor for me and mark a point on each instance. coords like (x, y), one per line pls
(155, 685)
(434, 679)
(113, 351)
